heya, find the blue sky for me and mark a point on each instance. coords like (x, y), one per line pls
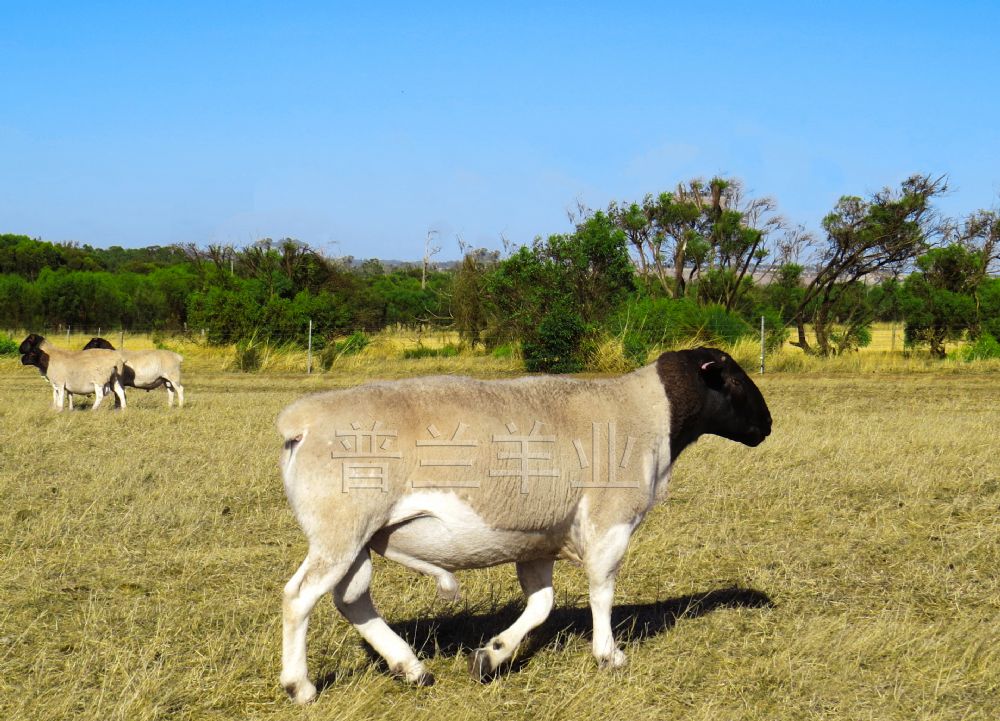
(359, 127)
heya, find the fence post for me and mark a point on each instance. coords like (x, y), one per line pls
(762, 345)
(67, 334)
(309, 355)
(121, 343)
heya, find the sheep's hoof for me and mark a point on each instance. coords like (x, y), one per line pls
(301, 692)
(416, 676)
(617, 659)
(481, 666)
(426, 678)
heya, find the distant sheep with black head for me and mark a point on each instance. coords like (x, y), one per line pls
(148, 369)
(79, 372)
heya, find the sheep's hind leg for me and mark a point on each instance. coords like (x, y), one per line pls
(119, 394)
(536, 582)
(352, 596)
(315, 577)
(171, 388)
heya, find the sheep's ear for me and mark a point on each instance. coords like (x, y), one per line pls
(711, 372)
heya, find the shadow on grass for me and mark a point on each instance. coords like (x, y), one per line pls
(457, 633)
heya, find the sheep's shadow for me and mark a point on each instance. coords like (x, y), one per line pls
(451, 634)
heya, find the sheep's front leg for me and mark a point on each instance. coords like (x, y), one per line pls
(601, 562)
(536, 582)
(353, 599)
(58, 393)
(315, 577)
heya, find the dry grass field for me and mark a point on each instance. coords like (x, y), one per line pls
(848, 568)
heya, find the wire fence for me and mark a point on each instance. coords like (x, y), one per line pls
(77, 336)
(773, 339)
(67, 333)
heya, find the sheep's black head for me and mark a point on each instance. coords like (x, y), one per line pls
(734, 406)
(32, 341)
(36, 357)
(710, 393)
(98, 343)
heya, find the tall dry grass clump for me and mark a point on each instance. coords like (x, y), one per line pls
(608, 355)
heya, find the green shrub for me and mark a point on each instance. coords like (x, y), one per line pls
(648, 323)
(556, 345)
(447, 351)
(636, 348)
(852, 339)
(351, 345)
(8, 346)
(775, 330)
(249, 355)
(986, 346)
(503, 351)
(718, 324)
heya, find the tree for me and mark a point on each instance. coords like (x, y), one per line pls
(679, 224)
(637, 223)
(430, 250)
(741, 227)
(863, 238)
(660, 230)
(938, 300)
(979, 233)
(784, 292)
(468, 301)
(711, 226)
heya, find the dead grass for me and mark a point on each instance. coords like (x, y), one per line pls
(849, 568)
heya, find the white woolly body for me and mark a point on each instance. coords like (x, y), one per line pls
(457, 474)
(545, 508)
(150, 366)
(150, 369)
(82, 373)
(153, 368)
(441, 529)
(444, 474)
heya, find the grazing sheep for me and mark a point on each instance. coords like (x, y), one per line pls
(149, 369)
(522, 471)
(74, 371)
